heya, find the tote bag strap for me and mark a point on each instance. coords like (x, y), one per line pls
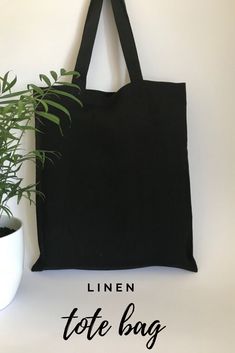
(125, 35)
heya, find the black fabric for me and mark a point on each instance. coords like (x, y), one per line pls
(119, 197)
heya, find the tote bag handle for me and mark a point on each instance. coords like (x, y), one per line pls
(125, 35)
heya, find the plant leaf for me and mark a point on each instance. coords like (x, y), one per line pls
(4, 82)
(6, 210)
(66, 94)
(54, 75)
(9, 101)
(36, 89)
(9, 85)
(44, 104)
(50, 117)
(63, 72)
(45, 79)
(69, 84)
(15, 94)
(58, 106)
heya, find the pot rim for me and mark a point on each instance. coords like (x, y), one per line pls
(10, 222)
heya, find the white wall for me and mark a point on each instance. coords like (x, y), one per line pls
(183, 40)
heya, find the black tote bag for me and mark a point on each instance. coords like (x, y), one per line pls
(119, 197)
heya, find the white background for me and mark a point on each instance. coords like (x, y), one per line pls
(183, 40)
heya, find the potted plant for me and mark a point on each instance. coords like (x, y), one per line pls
(18, 109)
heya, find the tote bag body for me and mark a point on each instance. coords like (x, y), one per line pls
(119, 196)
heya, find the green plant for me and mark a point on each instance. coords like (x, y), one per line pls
(18, 109)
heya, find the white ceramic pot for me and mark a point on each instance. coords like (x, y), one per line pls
(11, 260)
